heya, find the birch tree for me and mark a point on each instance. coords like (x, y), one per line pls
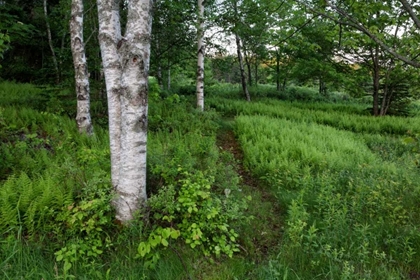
(81, 77)
(241, 68)
(200, 53)
(126, 65)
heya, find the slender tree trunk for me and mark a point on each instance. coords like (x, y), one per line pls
(200, 54)
(278, 71)
(126, 66)
(248, 66)
(54, 57)
(387, 95)
(322, 87)
(81, 76)
(241, 67)
(169, 78)
(256, 72)
(159, 76)
(376, 79)
(159, 67)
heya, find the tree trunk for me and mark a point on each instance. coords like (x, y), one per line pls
(81, 76)
(126, 66)
(159, 76)
(159, 67)
(54, 57)
(169, 78)
(241, 67)
(256, 72)
(200, 54)
(278, 71)
(387, 95)
(322, 87)
(376, 79)
(248, 66)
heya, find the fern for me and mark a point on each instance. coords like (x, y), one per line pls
(29, 202)
(8, 211)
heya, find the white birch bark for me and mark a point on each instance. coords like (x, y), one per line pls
(200, 54)
(126, 66)
(241, 67)
(83, 119)
(109, 36)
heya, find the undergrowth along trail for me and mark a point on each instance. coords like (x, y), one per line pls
(266, 228)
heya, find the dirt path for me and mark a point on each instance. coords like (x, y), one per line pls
(264, 234)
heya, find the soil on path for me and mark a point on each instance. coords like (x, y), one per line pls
(266, 229)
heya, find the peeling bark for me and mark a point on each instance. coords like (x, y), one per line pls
(83, 119)
(126, 67)
(200, 54)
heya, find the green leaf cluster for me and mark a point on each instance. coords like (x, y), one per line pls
(82, 227)
(190, 211)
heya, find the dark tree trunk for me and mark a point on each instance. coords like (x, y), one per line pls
(376, 79)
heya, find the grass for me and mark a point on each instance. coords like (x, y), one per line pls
(49, 172)
(351, 195)
(320, 114)
(337, 194)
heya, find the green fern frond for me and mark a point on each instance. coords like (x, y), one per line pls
(29, 202)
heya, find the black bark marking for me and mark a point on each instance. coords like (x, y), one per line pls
(141, 124)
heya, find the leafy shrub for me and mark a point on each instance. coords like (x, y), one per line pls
(189, 210)
(83, 227)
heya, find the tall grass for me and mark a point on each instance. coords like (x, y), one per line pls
(278, 144)
(334, 118)
(20, 94)
(351, 211)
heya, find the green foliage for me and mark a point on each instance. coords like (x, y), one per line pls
(56, 183)
(351, 198)
(413, 142)
(279, 145)
(31, 203)
(4, 40)
(83, 229)
(180, 136)
(190, 210)
(336, 117)
(21, 94)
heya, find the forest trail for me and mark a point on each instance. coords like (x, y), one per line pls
(265, 231)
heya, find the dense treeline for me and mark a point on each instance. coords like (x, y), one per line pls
(284, 43)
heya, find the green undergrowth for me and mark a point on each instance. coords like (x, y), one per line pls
(56, 100)
(352, 198)
(337, 196)
(351, 119)
(55, 196)
(290, 93)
